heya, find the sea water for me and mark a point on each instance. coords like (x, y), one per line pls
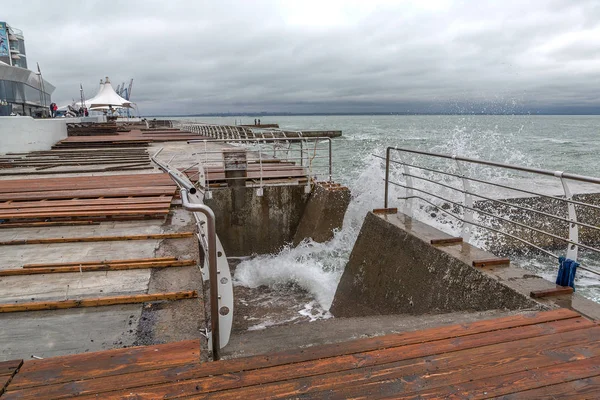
(557, 143)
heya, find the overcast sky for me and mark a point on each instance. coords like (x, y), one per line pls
(320, 56)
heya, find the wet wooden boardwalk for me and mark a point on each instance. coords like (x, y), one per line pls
(543, 355)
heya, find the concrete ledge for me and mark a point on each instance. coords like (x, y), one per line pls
(393, 269)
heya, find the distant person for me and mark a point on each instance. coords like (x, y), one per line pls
(259, 122)
(85, 112)
(254, 121)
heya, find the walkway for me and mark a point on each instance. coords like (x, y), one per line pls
(554, 354)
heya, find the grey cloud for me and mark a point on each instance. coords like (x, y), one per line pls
(218, 56)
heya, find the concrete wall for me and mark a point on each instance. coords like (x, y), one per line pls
(393, 269)
(23, 134)
(250, 224)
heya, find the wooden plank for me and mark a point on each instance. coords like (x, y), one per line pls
(186, 384)
(340, 379)
(34, 224)
(91, 268)
(455, 368)
(530, 325)
(586, 388)
(9, 367)
(516, 382)
(557, 291)
(89, 193)
(446, 241)
(85, 182)
(488, 262)
(96, 302)
(84, 202)
(383, 211)
(73, 214)
(153, 236)
(81, 208)
(39, 373)
(4, 380)
(101, 262)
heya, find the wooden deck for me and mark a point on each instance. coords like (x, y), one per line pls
(133, 138)
(91, 197)
(544, 355)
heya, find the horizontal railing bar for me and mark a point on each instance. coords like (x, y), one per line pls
(494, 184)
(505, 203)
(258, 140)
(538, 171)
(503, 219)
(583, 267)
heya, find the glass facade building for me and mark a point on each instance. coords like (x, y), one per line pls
(22, 91)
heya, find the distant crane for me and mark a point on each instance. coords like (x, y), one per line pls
(129, 89)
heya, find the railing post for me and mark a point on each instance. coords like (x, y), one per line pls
(387, 177)
(467, 228)
(330, 161)
(408, 203)
(572, 249)
(259, 192)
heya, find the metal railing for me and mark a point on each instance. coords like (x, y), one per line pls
(214, 253)
(435, 177)
(305, 157)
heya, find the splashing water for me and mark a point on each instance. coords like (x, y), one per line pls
(317, 267)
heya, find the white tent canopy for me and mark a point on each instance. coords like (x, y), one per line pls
(108, 98)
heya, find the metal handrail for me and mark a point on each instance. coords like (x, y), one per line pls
(301, 140)
(573, 239)
(561, 199)
(500, 201)
(212, 265)
(566, 175)
(186, 187)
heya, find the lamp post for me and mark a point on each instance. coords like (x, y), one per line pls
(42, 90)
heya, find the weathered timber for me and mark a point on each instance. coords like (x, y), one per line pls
(557, 291)
(101, 262)
(385, 211)
(446, 241)
(456, 353)
(35, 224)
(9, 367)
(96, 302)
(489, 262)
(98, 238)
(91, 268)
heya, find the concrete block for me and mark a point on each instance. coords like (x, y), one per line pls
(393, 269)
(250, 224)
(324, 213)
